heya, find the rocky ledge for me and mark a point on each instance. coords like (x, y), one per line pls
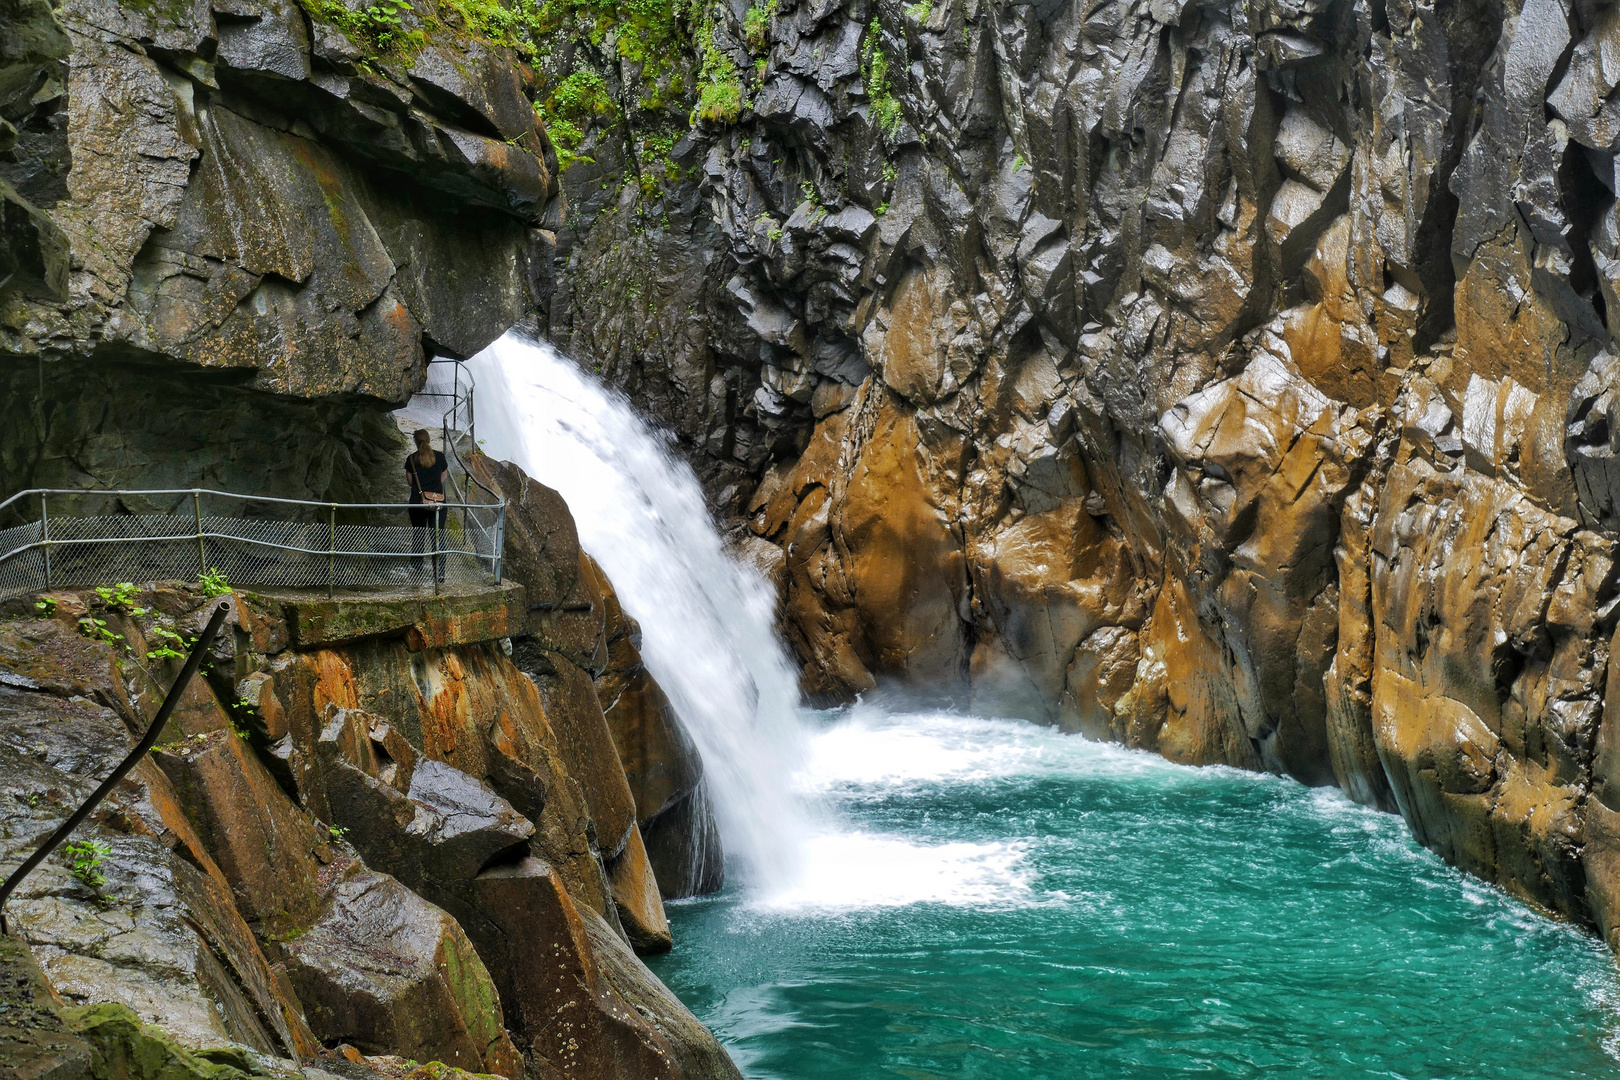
(379, 830)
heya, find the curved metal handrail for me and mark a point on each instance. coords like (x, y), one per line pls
(449, 427)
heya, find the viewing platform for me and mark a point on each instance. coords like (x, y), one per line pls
(85, 537)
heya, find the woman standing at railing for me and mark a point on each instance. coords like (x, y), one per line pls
(426, 468)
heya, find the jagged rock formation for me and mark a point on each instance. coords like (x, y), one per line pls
(366, 827)
(232, 225)
(1231, 380)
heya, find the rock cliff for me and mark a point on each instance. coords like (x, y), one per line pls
(367, 836)
(1230, 380)
(243, 224)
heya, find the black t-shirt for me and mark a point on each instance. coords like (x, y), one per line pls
(426, 477)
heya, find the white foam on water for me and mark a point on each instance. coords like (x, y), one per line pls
(844, 871)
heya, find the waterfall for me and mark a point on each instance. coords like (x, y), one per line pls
(708, 627)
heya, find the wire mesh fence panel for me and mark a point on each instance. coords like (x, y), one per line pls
(20, 571)
(101, 537)
(324, 548)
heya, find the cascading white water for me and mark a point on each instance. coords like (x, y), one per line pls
(708, 633)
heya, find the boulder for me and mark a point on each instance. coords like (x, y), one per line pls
(269, 850)
(574, 1020)
(388, 972)
(374, 964)
(636, 898)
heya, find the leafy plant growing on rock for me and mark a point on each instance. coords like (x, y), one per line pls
(120, 598)
(168, 645)
(567, 113)
(756, 24)
(213, 582)
(46, 607)
(97, 630)
(84, 861)
(920, 10)
(380, 26)
(875, 74)
(720, 88)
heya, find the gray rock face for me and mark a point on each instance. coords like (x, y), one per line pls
(239, 208)
(1233, 380)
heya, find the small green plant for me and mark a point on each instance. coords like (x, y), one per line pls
(213, 582)
(882, 208)
(756, 24)
(97, 630)
(568, 112)
(1019, 164)
(338, 831)
(380, 26)
(920, 10)
(875, 74)
(720, 88)
(45, 606)
(120, 597)
(168, 645)
(84, 861)
(808, 190)
(889, 172)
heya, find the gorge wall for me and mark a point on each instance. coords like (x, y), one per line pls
(386, 835)
(1230, 380)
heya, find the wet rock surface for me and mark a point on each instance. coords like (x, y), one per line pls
(1230, 380)
(235, 225)
(379, 841)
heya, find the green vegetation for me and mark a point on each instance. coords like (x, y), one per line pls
(120, 598)
(720, 88)
(167, 645)
(380, 26)
(46, 607)
(756, 23)
(213, 582)
(567, 113)
(875, 74)
(84, 861)
(97, 630)
(920, 10)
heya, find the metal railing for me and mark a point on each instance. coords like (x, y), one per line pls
(316, 544)
(100, 537)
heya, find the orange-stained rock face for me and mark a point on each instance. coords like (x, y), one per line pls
(317, 850)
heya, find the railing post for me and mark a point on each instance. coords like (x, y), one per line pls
(45, 535)
(331, 554)
(202, 551)
(500, 541)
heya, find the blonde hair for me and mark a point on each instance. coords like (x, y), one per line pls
(423, 437)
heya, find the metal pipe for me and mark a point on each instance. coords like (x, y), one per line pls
(331, 554)
(148, 740)
(500, 539)
(45, 534)
(202, 551)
